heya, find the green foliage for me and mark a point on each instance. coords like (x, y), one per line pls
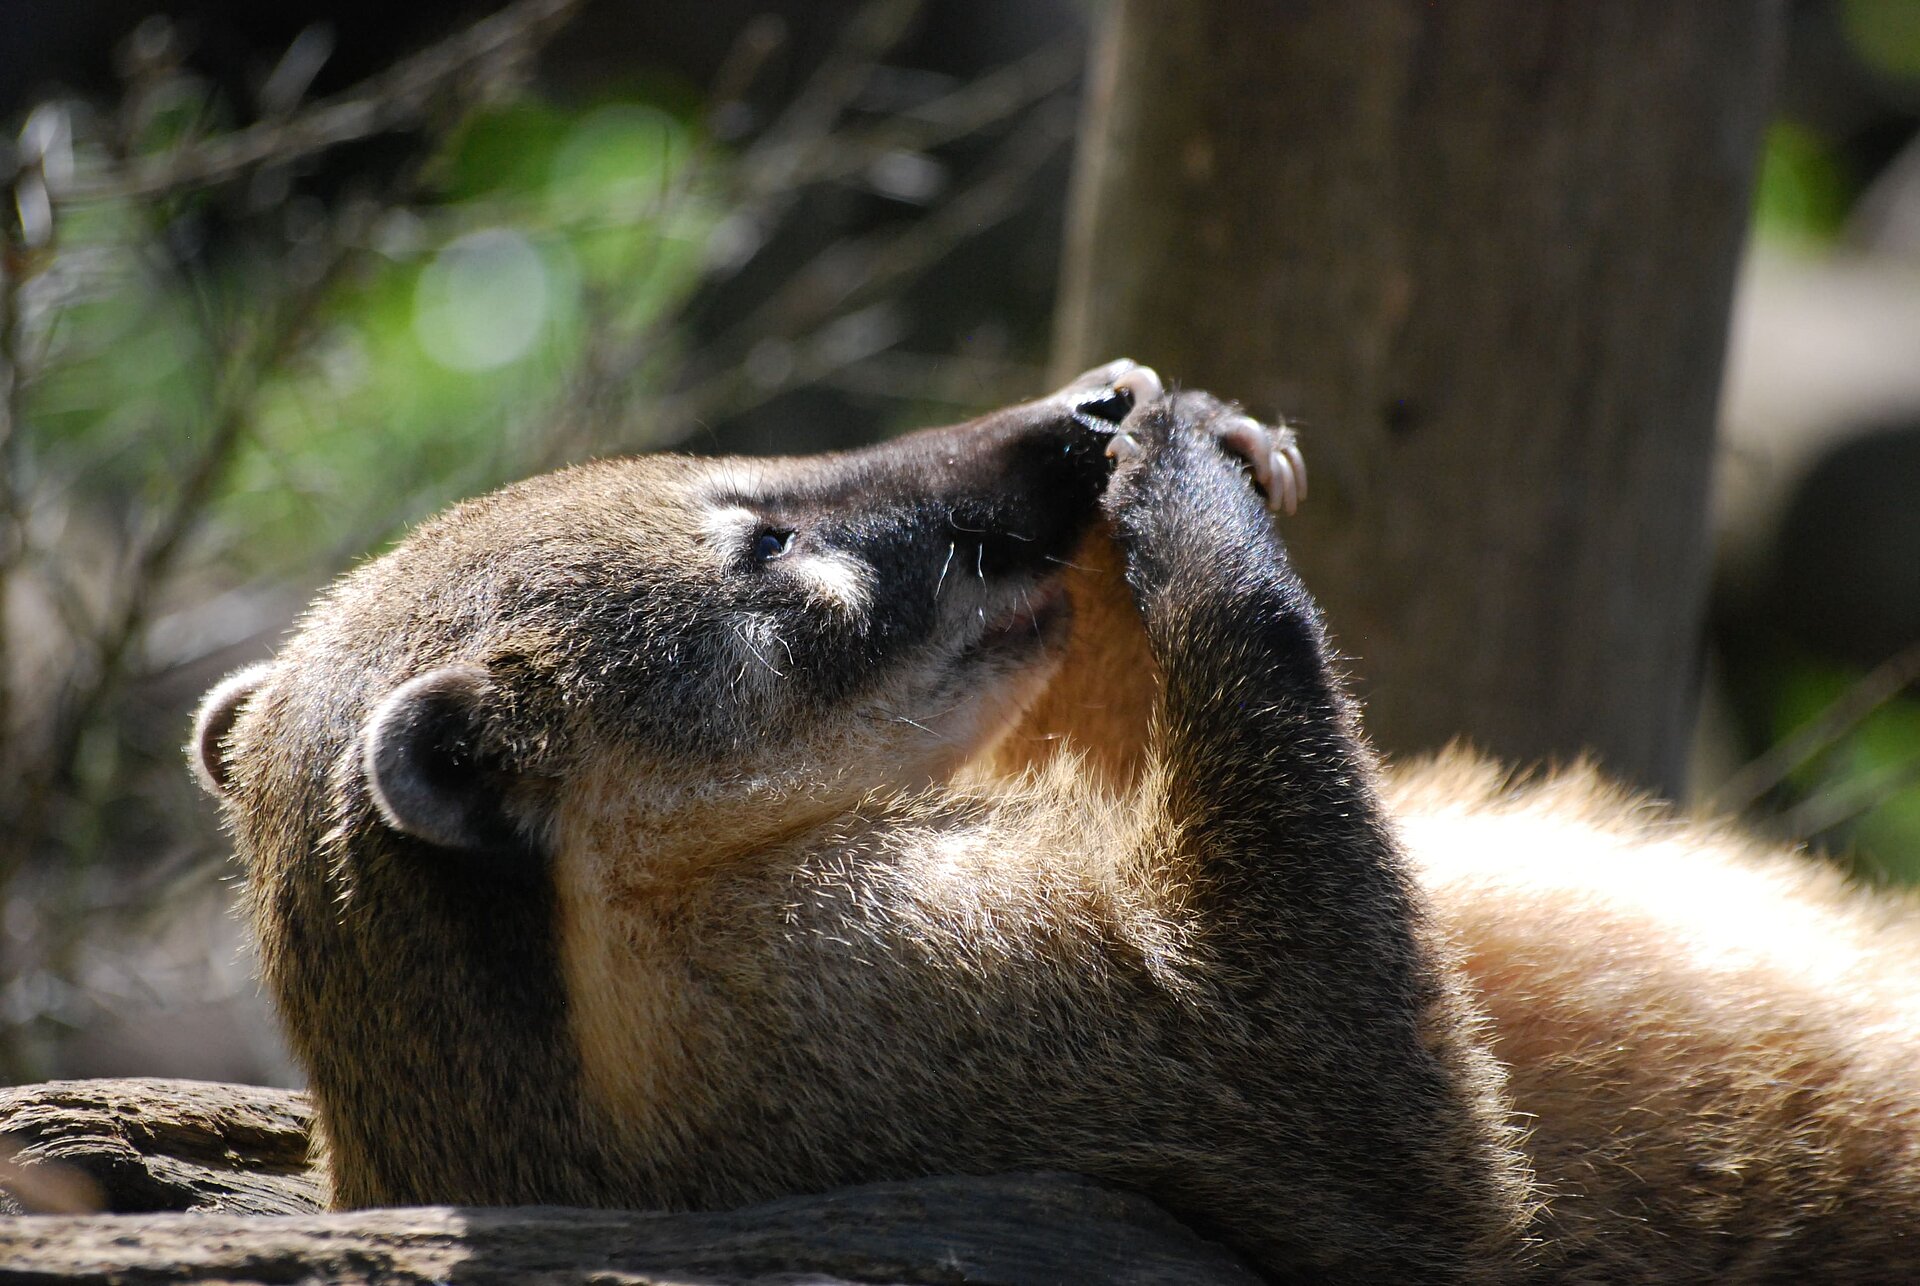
(431, 370)
(1863, 792)
(1885, 33)
(1802, 194)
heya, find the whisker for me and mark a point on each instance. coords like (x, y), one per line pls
(777, 672)
(943, 572)
(980, 570)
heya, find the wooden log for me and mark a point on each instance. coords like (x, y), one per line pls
(152, 1145)
(230, 1152)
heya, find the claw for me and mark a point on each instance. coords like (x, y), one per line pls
(1122, 446)
(1247, 438)
(1285, 494)
(1142, 383)
(1299, 463)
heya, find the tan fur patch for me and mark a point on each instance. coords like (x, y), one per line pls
(624, 970)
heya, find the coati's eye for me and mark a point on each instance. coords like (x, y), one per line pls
(771, 544)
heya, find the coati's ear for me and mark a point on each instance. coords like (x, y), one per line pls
(214, 720)
(427, 760)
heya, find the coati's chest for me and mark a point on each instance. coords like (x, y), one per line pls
(929, 985)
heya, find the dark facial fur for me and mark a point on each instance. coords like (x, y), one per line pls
(604, 849)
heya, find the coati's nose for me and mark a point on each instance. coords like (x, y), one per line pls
(1018, 486)
(1031, 476)
(1118, 387)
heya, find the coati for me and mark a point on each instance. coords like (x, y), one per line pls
(607, 844)
(675, 833)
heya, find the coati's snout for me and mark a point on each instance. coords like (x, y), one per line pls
(918, 583)
(953, 526)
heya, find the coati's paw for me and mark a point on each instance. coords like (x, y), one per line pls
(1271, 451)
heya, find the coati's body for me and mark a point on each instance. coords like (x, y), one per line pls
(1714, 1046)
(605, 847)
(595, 860)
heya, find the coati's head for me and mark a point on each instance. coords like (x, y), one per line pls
(788, 630)
(805, 628)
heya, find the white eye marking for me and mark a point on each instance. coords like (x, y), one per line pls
(836, 576)
(840, 577)
(729, 527)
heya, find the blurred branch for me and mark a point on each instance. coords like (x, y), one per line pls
(13, 266)
(848, 278)
(786, 150)
(402, 97)
(605, 371)
(45, 781)
(243, 370)
(829, 315)
(1851, 797)
(975, 107)
(1751, 784)
(949, 379)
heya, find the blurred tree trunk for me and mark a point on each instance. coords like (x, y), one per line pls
(1483, 251)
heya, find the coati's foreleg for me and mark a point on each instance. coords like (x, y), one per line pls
(1297, 889)
(1100, 701)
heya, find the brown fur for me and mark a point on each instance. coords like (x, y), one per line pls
(1101, 699)
(1713, 1043)
(1716, 1045)
(689, 928)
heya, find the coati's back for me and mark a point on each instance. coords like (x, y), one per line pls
(1715, 1044)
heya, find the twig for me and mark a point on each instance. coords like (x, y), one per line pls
(150, 567)
(1850, 798)
(848, 281)
(849, 275)
(785, 149)
(606, 369)
(400, 97)
(975, 107)
(405, 94)
(13, 255)
(1752, 783)
(948, 379)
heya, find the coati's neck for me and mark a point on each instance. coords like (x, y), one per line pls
(436, 1034)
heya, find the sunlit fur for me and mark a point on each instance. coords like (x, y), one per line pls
(1715, 1042)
